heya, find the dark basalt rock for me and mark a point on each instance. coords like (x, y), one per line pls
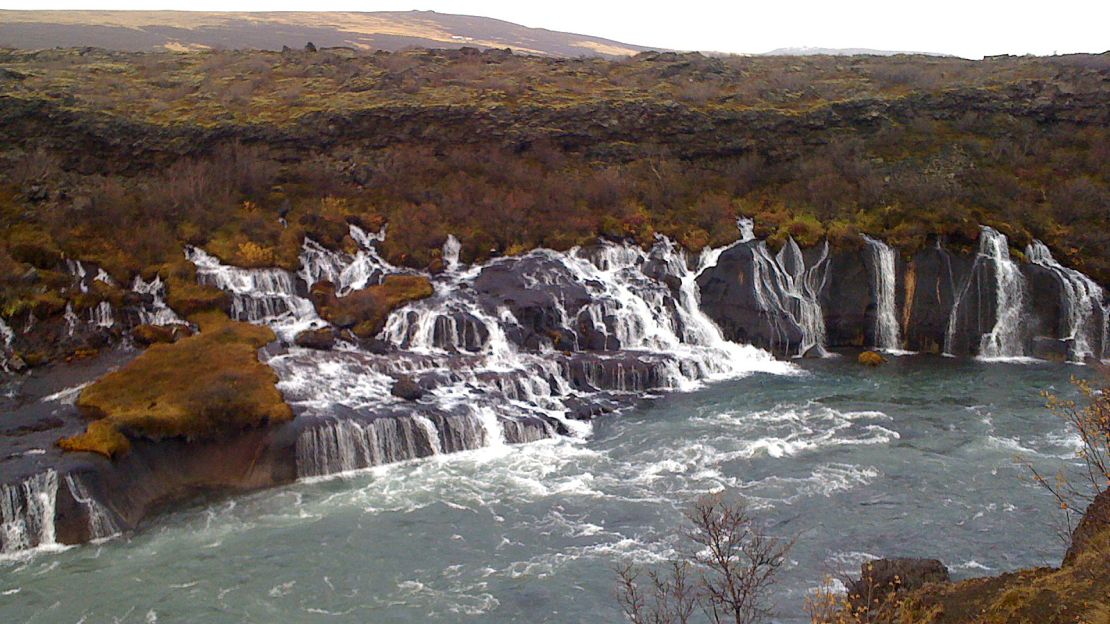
(929, 284)
(407, 389)
(535, 305)
(729, 297)
(848, 301)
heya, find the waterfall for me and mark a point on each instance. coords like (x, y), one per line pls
(495, 371)
(71, 319)
(156, 312)
(101, 315)
(77, 270)
(747, 229)
(785, 286)
(451, 249)
(27, 512)
(6, 336)
(347, 272)
(1082, 311)
(1005, 339)
(887, 332)
(258, 295)
(346, 445)
(101, 523)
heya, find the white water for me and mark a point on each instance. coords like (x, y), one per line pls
(156, 312)
(784, 285)
(498, 393)
(1083, 315)
(349, 273)
(1004, 340)
(451, 249)
(101, 523)
(71, 319)
(6, 336)
(27, 512)
(101, 315)
(267, 296)
(888, 334)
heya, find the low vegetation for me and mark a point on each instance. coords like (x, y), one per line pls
(247, 153)
(199, 387)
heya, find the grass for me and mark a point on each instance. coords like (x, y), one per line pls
(205, 386)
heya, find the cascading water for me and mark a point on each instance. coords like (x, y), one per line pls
(101, 523)
(6, 336)
(156, 312)
(887, 331)
(785, 286)
(101, 315)
(1005, 339)
(1083, 316)
(484, 387)
(27, 512)
(365, 268)
(258, 295)
(451, 249)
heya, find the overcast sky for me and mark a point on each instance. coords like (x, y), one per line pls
(968, 28)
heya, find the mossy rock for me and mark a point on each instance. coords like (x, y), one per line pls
(34, 247)
(364, 311)
(160, 334)
(99, 437)
(871, 358)
(188, 297)
(202, 387)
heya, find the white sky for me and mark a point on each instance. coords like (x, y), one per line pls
(968, 28)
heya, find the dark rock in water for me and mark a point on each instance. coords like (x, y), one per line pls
(880, 577)
(930, 284)
(730, 297)
(815, 352)
(847, 301)
(1052, 349)
(322, 339)
(537, 309)
(406, 389)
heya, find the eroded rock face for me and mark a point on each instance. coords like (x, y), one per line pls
(730, 296)
(1095, 521)
(945, 302)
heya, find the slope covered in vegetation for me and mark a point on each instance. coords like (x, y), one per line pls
(121, 159)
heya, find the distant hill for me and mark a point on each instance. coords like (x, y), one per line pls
(186, 30)
(808, 51)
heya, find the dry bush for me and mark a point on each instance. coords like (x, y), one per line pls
(1075, 488)
(726, 572)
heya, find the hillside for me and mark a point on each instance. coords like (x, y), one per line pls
(511, 152)
(180, 30)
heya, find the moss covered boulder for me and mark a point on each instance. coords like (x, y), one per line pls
(364, 311)
(871, 358)
(202, 387)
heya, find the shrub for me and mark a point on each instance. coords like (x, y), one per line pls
(726, 571)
